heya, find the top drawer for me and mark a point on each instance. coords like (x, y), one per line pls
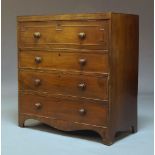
(64, 34)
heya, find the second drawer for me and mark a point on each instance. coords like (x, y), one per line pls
(64, 60)
(65, 83)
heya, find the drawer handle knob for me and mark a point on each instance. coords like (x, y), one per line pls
(82, 111)
(82, 86)
(82, 35)
(38, 105)
(82, 62)
(37, 35)
(37, 82)
(38, 60)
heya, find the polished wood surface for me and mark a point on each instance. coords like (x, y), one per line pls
(64, 60)
(63, 33)
(74, 110)
(82, 16)
(79, 72)
(124, 71)
(61, 83)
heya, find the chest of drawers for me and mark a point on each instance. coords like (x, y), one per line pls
(79, 72)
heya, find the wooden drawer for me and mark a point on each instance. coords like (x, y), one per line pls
(64, 83)
(64, 61)
(64, 34)
(69, 109)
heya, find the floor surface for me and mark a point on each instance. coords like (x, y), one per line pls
(40, 139)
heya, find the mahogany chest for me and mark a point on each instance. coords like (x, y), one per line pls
(79, 72)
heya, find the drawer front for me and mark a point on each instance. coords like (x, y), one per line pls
(67, 84)
(63, 34)
(64, 61)
(69, 109)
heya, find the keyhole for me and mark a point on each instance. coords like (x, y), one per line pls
(59, 54)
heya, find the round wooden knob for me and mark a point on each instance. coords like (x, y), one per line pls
(37, 35)
(82, 61)
(82, 111)
(38, 105)
(82, 35)
(37, 82)
(38, 60)
(82, 86)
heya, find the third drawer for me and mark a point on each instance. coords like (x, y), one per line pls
(87, 86)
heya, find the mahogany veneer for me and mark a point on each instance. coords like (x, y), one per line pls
(79, 72)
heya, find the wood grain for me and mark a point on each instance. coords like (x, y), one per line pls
(68, 108)
(99, 95)
(65, 60)
(65, 84)
(62, 34)
(80, 16)
(124, 72)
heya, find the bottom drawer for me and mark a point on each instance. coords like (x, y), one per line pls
(64, 108)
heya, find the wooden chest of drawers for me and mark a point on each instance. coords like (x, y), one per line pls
(79, 72)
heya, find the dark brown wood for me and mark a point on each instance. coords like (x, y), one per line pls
(124, 71)
(79, 72)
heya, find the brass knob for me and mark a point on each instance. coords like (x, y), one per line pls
(38, 105)
(82, 111)
(37, 35)
(37, 82)
(82, 86)
(82, 61)
(38, 60)
(82, 35)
